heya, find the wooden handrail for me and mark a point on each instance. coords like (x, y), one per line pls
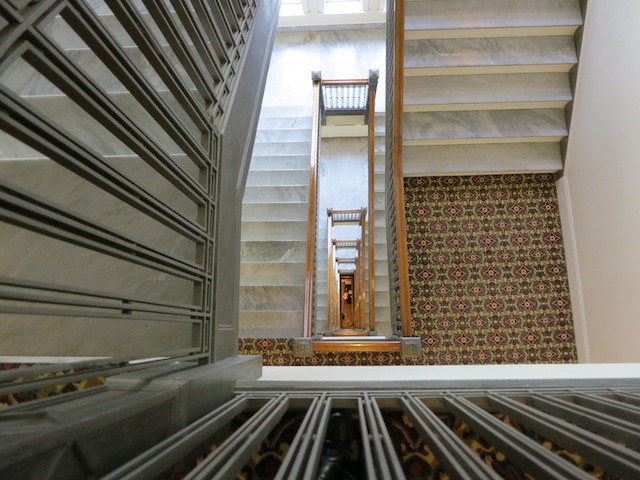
(307, 328)
(359, 81)
(362, 284)
(371, 203)
(330, 276)
(401, 227)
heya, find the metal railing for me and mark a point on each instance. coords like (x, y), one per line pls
(342, 97)
(400, 301)
(312, 211)
(110, 115)
(599, 425)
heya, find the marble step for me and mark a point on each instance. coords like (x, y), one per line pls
(254, 274)
(481, 159)
(277, 177)
(274, 211)
(439, 19)
(273, 251)
(476, 127)
(282, 148)
(264, 135)
(270, 324)
(276, 194)
(274, 230)
(486, 92)
(285, 122)
(261, 163)
(489, 55)
(271, 297)
(85, 128)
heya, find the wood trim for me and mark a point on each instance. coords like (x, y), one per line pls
(312, 220)
(359, 81)
(401, 226)
(372, 212)
(356, 346)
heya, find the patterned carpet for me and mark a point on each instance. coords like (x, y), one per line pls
(487, 270)
(279, 352)
(487, 273)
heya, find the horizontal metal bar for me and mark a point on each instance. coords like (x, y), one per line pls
(218, 17)
(99, 362)
(135, 26)
(33, 129)
(156, 461)
(205, 47)
(232, 454)
(213, 31)
(298, 458)
(346, 82)
(21, 22)
(628, 398)
(365, 438)
(49, 287)
(85, 23)
(40, 404)
(230, 15)
(612, 427)
(527, 453)
(28, 211)
(84, 91)
(388, 464)
(316, 442)
(600, 451)
(99, 372)
(458, 460)
(76, 302)
(170, 30)
(13, 374)
(50, 312)
(616, 409)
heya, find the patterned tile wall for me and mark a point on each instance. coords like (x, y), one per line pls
(487, 270)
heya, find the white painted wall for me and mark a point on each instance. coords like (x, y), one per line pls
(600, 193)
(356, 376)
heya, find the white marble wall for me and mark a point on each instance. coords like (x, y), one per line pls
(336, 53)
(342, 185)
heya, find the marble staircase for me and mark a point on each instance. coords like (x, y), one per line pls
(381, 281)
(274, 226)
(487, 85)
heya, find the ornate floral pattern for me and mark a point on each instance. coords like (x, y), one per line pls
(487, 270)
(279, 352)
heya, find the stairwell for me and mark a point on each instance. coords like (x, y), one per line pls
(487, 85)
(274, 225)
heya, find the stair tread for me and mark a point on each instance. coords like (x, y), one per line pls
(478, 159)
(489, 52)
(475, 125)
(486, 89)
(490, 13)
